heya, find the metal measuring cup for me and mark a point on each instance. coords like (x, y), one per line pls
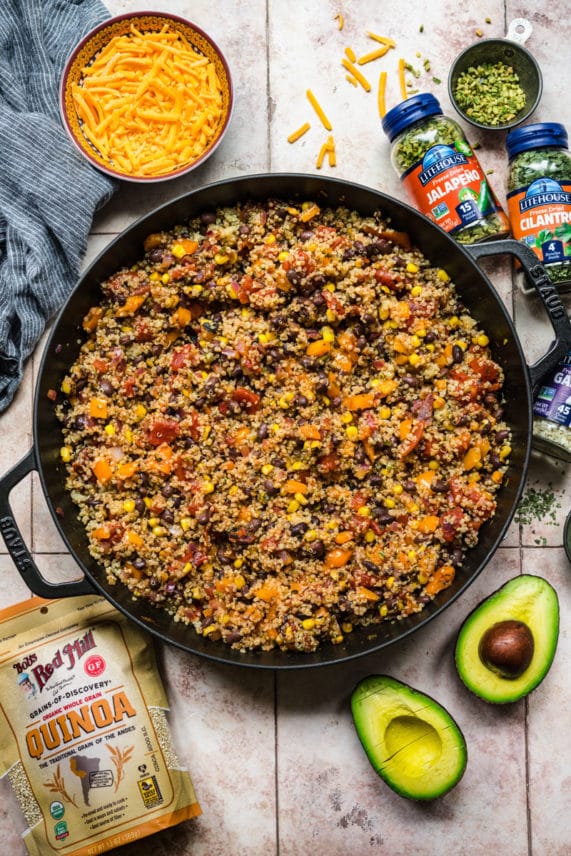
(509, 51)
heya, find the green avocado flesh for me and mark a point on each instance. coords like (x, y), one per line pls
(411, 741)
(527, 599)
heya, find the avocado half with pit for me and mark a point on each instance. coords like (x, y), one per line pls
(411, 741)
(507, 644)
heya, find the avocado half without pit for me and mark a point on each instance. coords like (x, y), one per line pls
(507, 644)
(411, 741)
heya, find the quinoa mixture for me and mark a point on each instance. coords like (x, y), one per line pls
(283, 424)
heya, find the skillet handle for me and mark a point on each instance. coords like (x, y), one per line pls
(15, 543)
(538, 278)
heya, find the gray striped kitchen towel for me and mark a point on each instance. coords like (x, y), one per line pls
(48, 191)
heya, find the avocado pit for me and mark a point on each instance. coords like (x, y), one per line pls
(506, 648)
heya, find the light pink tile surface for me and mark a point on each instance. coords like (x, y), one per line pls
(275, 759)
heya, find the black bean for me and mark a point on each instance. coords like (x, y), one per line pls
(293, 277)
(208, 218)
(430, 337)
(370, 566)
(382, 516)
(139, 563)
(300, 400)
(167, 490)
(306, 235)
(106, 386)
(140, 504)
(439, 486)
(156, 255)
(80, 422)
(167, 516)
(203, 516)
(299, 529)
(262, 431)
(270, 488)
(154, 583)
(457, 354)
(502, 435)
(317, 549)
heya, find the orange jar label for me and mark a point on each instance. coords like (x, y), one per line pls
(540, 215)
(449, 186)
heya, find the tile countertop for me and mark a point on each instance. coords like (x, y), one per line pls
(274, 757)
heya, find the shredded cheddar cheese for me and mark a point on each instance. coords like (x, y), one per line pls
(149, 103)
(382, 39)
(402, 79)
(352, 69)
(328, 148)
(340, 21)
(373, 55)
(319, 110)
(295, 135)
(350, 54)
(381, 94)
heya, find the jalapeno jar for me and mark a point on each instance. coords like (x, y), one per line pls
(441, 173)
(539, 195)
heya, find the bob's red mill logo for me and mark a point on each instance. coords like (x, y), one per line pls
(66, 656)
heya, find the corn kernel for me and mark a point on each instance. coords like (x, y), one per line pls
(293, 506)
(283, 403)
(330, 287)
(267, 469)
(414, 359)
(185, 523)
(238, 562)
(327, 334)
(443, 276)
(270, 239)
(207, 487)
(390, 582)
(148, 501)
(337, 640)
(370, 536)
(364, 511)
(331, 315)
(158, 531)
(385, 412)
(483, 340)
(346, 627)
(109, 429)
(128, 435)
(65, 454)
(178, 251)
(234, 490)
(308, 623)
(66, 387)
(430, 347)
(505, 451)
(283, 256)
(310, 535)
(208, 630)
(352, 432)
(140, 411)
(300, 498)
(383, 610)
(155, 276)
(388, 502)
(397, 489)
(154, 521)
(239, 580)
(297, 465)
(412, 268)
(346, 417)
(412, 509)
(416, 291)
(165, 278)
(128, 505)
(433, 465)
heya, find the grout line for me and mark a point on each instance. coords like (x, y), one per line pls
(276, 765)
(268, 90)
(527, 778)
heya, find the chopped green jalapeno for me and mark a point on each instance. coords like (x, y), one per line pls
(490, 93)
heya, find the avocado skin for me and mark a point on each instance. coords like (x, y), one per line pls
(378, 702)
(527, 598)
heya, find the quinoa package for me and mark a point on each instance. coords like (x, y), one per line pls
(84, 738)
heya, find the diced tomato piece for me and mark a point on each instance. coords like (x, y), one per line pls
(450, 522)
(249, 399)
(162, 431)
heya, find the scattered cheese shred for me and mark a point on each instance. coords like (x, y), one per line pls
(370, 57)
(149, 103)
(381, 93)
(402, 80)
(318, 109)
(328, 148)
(352, 69)
(295, 135)
(350, 54)
(352, 80)
(340, 21)
(382, 39)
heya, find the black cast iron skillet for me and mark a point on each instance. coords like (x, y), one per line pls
(476, 292)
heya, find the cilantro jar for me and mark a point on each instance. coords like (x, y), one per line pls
(539, 195)
(552, 412)
(440, 171)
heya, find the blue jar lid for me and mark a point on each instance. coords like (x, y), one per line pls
(407, 112)
(536, 136)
